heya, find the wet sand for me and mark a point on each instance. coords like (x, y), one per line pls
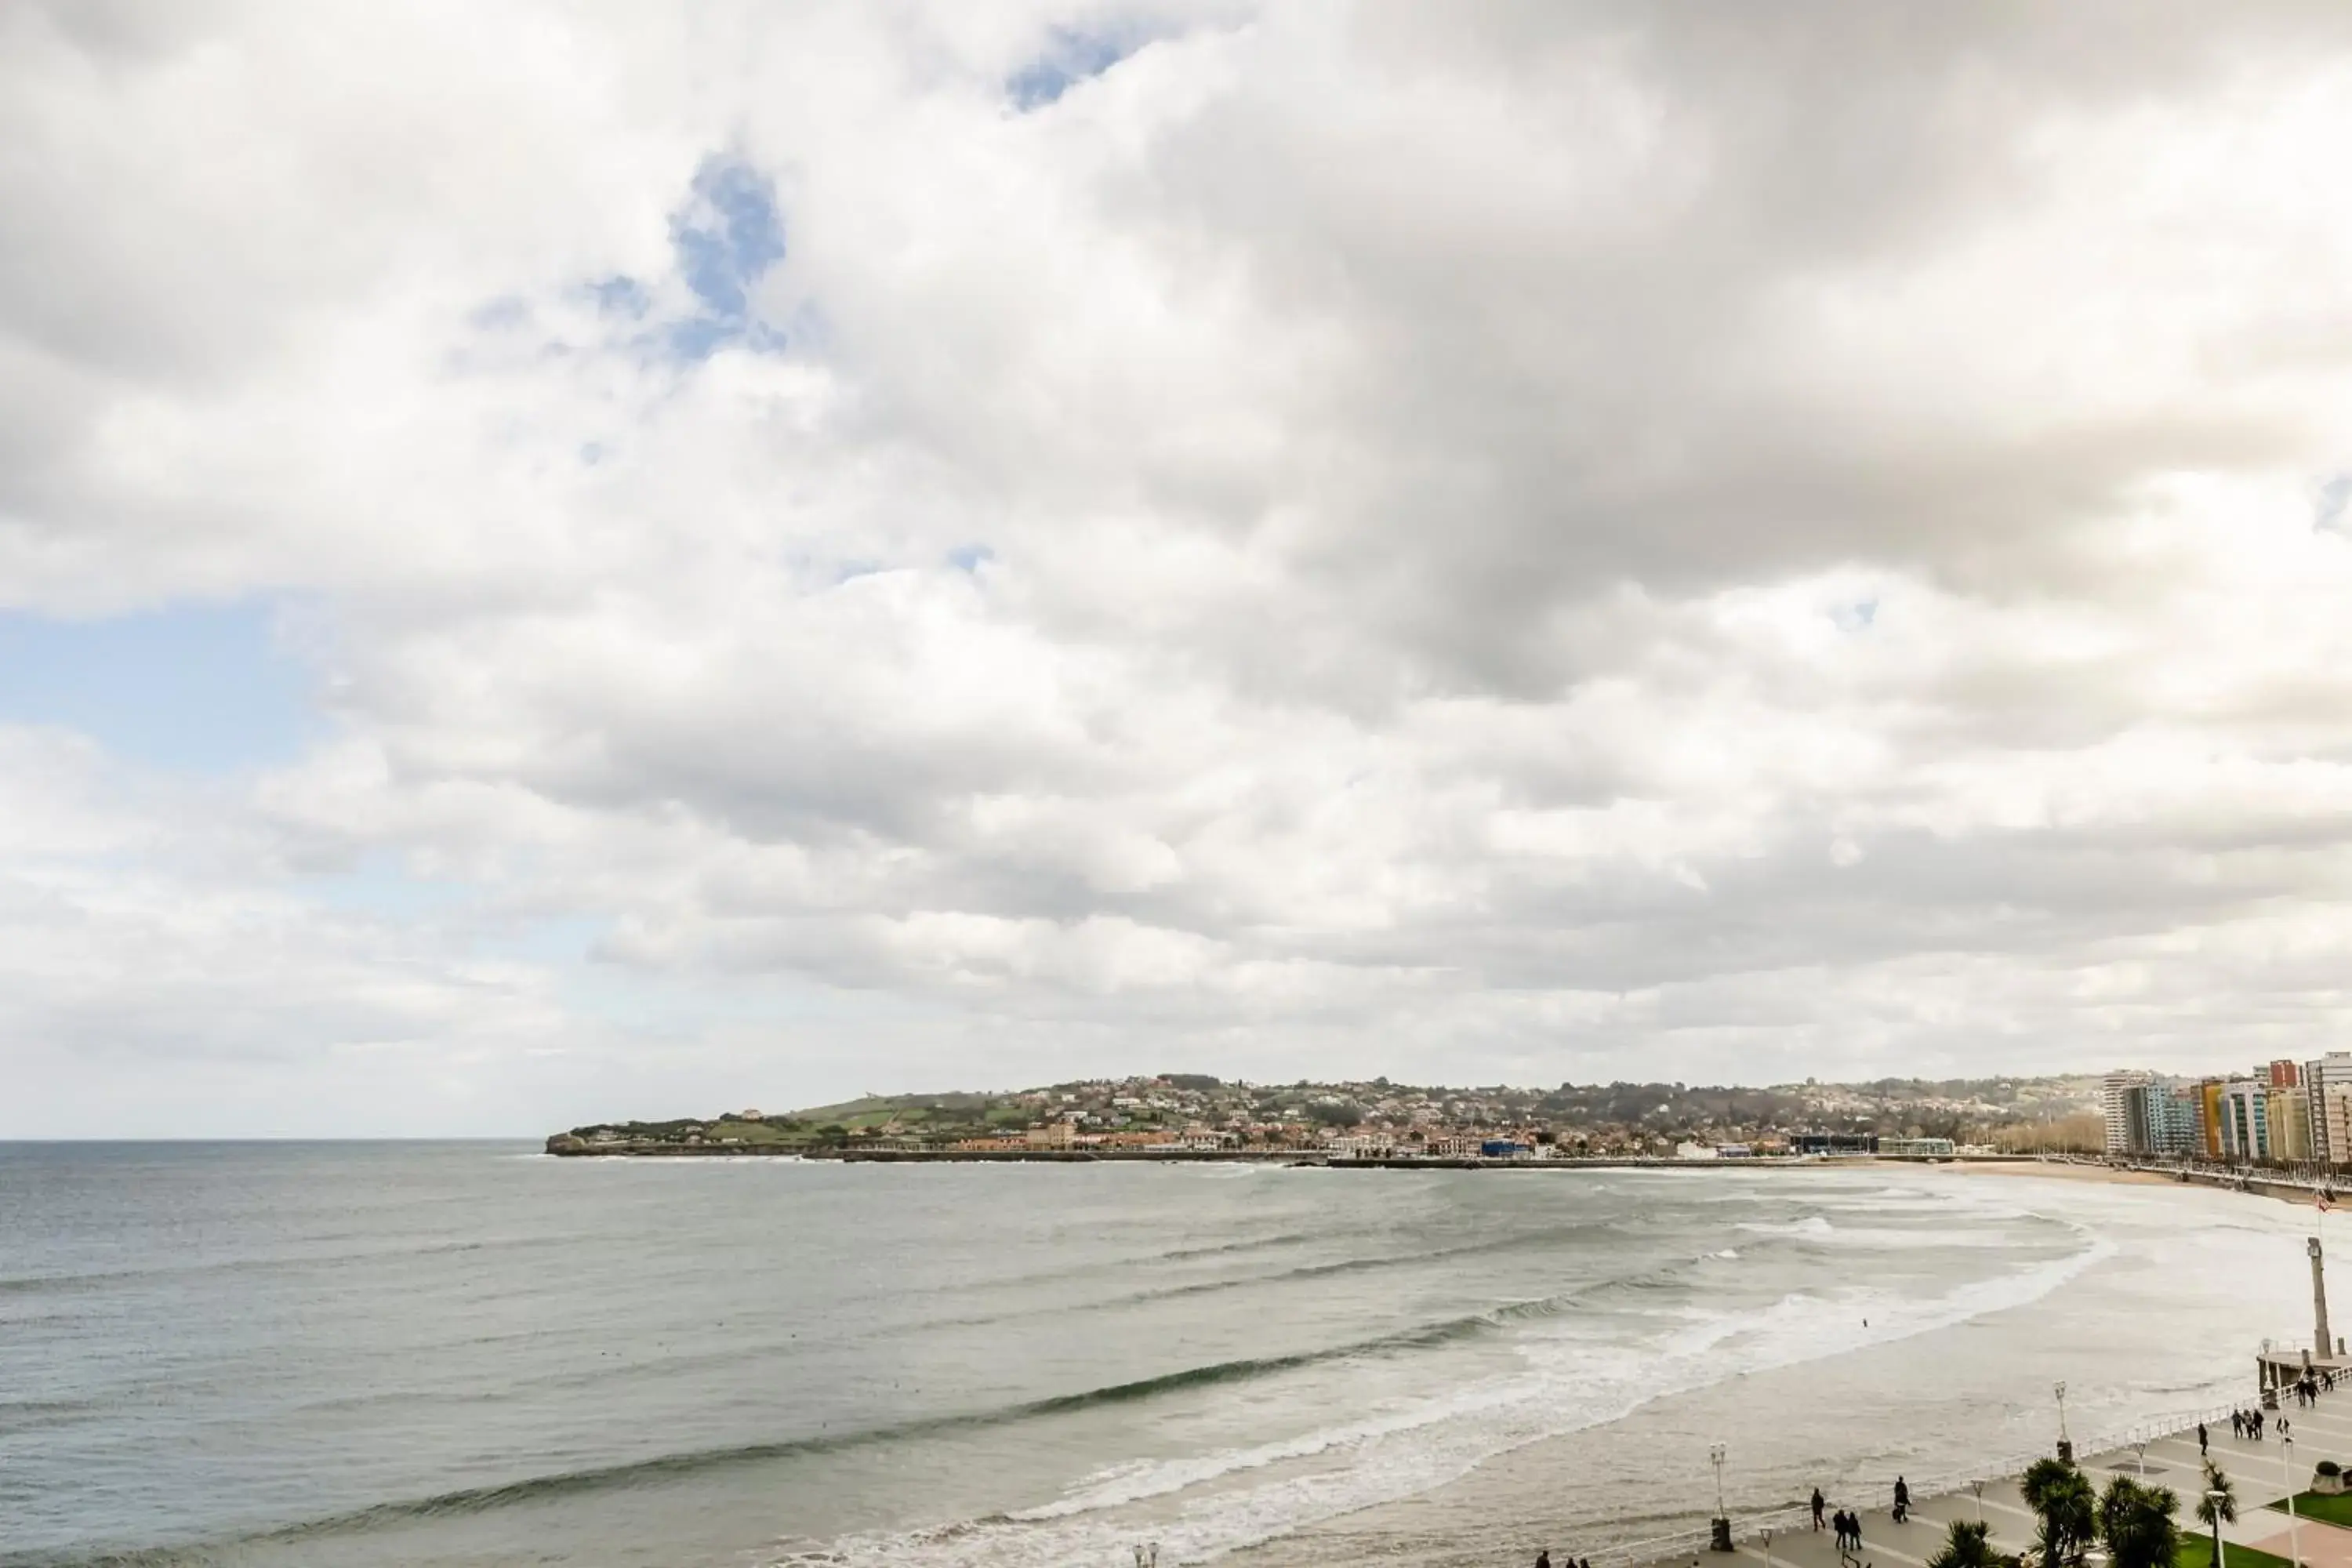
(2053, 1171)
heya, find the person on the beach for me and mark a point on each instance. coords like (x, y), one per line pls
(1820, 1502)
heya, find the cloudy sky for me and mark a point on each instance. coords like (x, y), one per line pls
(618, 559)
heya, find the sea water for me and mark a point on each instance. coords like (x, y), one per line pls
(467, 1353)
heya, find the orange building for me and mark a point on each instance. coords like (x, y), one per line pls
(2209, 1117)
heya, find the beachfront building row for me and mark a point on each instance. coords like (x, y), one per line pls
(2284, 1112)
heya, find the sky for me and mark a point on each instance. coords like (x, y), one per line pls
(573, 561)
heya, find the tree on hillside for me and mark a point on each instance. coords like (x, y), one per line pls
(2063, 1500)
(1965, 1546)
(2135, 1522)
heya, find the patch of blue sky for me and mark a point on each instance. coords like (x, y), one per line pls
(2335, 498)
(968, 557)
(1859, 617)
(379, 885)
(726, 238)
(203, 688)
(1070, 57)
(552, 940)
(501, 314)
(620, 296)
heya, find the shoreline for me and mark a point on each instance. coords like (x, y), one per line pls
(2279, 1188)
(2067, 1171)
(1310, 1157)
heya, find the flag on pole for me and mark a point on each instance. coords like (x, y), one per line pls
(2323, 1201)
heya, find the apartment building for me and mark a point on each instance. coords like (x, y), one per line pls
(2245, 1119)
(2328, 1084)
(2125, 1113)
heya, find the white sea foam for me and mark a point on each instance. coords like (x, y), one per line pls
(1205, 1505)
(1812, 1224)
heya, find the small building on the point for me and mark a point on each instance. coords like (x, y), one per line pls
(1915, 1148)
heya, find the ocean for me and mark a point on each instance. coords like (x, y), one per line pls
(464, 1354)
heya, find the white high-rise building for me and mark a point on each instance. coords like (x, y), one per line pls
(2126, 1131)
(2246, 1120)
(2329, 1083)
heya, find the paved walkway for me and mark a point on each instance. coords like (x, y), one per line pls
(2262, 1473)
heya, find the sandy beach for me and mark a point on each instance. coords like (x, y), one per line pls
(2052, 1170)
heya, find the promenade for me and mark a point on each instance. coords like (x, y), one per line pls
(2263, 1473)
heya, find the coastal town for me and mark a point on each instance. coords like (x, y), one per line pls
(1197, 1114)
(2282, 1112)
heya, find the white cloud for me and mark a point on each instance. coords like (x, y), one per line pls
(1537, 541)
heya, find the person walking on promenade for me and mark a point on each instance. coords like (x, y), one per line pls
(1543, 1559)
(1902, 1501)
(1820, 1502)
(2200, 1439)
(2285, 1431)
(1853, 1532)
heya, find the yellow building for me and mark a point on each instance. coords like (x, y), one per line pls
(2331, 1115)
(2290, 1119)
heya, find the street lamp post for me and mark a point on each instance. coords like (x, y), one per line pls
(2217, 1497)
(2293, 1522)
(2065, 1446)
(1720, 1532)
(1979, 1492)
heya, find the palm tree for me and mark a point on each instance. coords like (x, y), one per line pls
(2219, 1506)
(2135, 1522)
(2063, 1500)
(1965, 1546)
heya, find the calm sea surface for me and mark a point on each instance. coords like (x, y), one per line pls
(468, 1354)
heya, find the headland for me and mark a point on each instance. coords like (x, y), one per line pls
(1377, 1122)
